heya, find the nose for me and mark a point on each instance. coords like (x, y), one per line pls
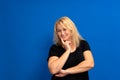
(62, 32)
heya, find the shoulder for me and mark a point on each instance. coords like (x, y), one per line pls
(82, 42)
(54, 47)
(84, 45)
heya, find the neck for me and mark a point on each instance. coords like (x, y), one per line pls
(73, 47)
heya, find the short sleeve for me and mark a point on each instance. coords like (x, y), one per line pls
(84, 45)
(53, 51)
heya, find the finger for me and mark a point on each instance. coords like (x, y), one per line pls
(62, 41)
(57, 75)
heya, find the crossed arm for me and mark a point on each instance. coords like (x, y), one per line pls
(55, 64)
(84, 66)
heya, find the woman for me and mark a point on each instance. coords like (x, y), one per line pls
(70, 58)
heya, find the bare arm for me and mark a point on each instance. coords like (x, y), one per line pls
(84, 66)
(55, 63)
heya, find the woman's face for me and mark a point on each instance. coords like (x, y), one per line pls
(63, 32)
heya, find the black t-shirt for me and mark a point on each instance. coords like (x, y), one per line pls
(74, 58)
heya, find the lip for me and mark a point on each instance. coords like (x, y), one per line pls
(63, 37)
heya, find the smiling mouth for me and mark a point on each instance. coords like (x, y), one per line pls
(63, 37)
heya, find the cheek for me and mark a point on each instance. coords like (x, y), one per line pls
(70, 34)
(58, 34)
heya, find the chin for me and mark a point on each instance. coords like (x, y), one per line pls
(65, 39)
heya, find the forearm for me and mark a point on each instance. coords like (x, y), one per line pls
(56, 65)
(81, 67)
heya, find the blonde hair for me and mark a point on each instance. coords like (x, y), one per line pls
(68, 23)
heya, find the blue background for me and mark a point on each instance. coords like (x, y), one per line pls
(26, 33)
